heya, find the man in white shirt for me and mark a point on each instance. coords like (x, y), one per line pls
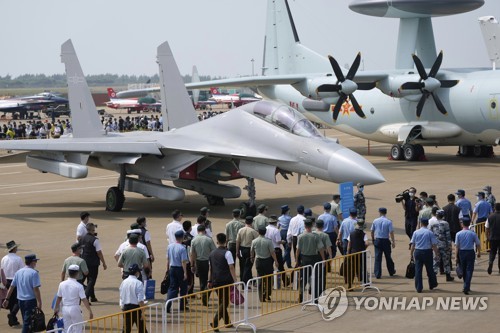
(132, 297)
(273, 233)
(174, 226)
(11, 263)
(70, 294)
(81, 230)
(296, 224)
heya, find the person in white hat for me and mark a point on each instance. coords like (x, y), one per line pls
(11, 263)
(70, 293)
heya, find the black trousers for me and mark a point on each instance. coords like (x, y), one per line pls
(202, 270)
(232, 248)
(410, 225)
(133, 317)
(223, 296)
(246, 272)
(13, 304)
(494, 248)
(305, 276)
(91, 280)
(265, 267)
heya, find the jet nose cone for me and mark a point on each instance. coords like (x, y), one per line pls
(348, 166)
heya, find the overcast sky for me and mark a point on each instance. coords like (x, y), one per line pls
(219, 36)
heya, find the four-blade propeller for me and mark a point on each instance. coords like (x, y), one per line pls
(345, 87)
(428, 84)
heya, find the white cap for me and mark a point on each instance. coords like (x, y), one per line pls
(134, 231)
(73, 268)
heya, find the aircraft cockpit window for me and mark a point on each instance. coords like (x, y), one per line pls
(284, 117)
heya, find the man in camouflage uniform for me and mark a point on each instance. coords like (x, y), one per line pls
(441, 230)
(359, 201)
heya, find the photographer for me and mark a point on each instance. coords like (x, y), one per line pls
(410, 205)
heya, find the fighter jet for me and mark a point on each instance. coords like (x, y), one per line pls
(257, 140)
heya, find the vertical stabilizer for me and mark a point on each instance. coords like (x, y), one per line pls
(491, 35)
(195, 78)
(283, 52)
(176, 107)
(84, 117)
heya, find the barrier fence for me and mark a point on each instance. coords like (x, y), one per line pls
(206, 310)
(218, 308)
(480, 230)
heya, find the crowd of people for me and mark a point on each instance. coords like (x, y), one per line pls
(269, 242)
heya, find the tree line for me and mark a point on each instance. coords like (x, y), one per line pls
(99, 80)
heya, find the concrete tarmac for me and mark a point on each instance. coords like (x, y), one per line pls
(41, 212)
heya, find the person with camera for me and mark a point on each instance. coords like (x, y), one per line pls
(410, 205)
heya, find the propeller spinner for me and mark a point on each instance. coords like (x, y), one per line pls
(428, 84)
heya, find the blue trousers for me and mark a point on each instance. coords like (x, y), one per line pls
(27, 308)
(467, 259)
(177, 283)
(286, 256)
(424, 258)
(383, 246)
(344, 246)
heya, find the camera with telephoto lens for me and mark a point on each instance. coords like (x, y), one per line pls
(405, 195)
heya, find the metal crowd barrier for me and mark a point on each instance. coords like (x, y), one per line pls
(480, 230)
(195, 312)
(152, 320)
(276, 292)
(352, 271)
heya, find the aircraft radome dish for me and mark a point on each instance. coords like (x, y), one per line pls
(413, 8)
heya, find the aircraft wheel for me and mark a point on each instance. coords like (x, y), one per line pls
(410, 152)
(114, 199)
(479, 151)
(215, 201)
(247, 210)
(465, 150)
(420, 151)
(397, 152)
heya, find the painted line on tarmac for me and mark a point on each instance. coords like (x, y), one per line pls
(9, 173)
(6, 186)
(55, 190)
(13, 165)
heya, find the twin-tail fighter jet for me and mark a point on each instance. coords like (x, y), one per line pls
(256, 141)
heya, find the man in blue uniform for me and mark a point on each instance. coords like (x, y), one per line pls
(464, 242)
(177, 259)
(283, 223)
(464, 204)
(423, 242)
(346, 228)
(382, 229)
(330, 226)
(482, 209)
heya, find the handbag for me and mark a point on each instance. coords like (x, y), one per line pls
(37, 321)
(410, 270)
(235, 296)
(165, 284)
(52, 323)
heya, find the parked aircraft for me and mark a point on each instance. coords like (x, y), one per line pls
(415, 105)
(132, 104)
(257, 140)
(25, 104)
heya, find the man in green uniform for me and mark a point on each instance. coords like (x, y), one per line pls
(262, 253)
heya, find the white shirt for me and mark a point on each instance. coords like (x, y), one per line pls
(274, 235)
(71, 292)
(131, 291)
(11, 263)
(126, 244)
(81, 230)
(296, 223)
(172, 228)
(147, 236)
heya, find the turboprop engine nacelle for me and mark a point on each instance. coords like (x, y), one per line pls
(391, 85)
(309, 87)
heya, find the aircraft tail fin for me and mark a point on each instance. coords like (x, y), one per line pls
(84, 116)
(177, 108)
(195, 78)
(282, 39)
(491, 34)
(111, 93)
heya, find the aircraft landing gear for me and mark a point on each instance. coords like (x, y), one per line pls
(115, 198)
(475, 151)
(214, 200)
(248, 208)
(413, 152)
(409, 152)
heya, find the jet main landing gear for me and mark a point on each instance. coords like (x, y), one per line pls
(409, 152)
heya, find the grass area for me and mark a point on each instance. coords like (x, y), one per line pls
(62, 90)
